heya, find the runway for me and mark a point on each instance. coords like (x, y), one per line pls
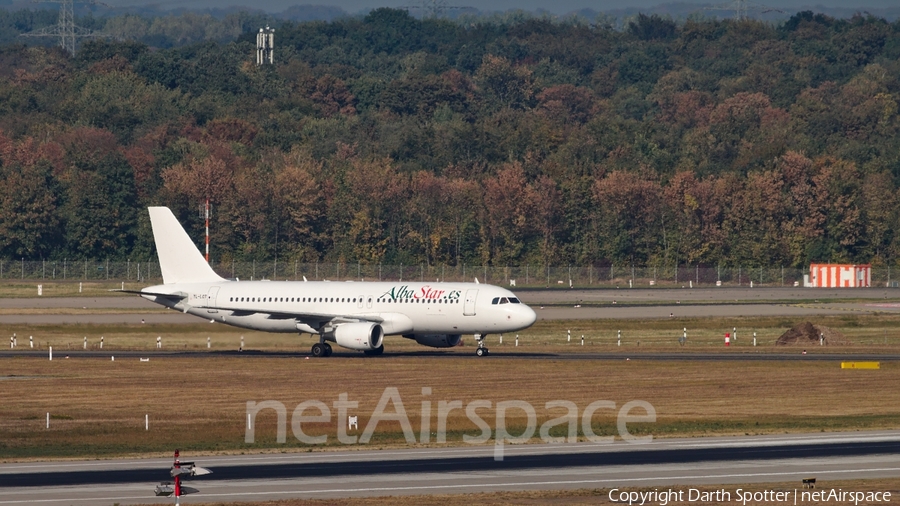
(552, 304)
(341, 474)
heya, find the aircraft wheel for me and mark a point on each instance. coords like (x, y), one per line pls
(318, 350)
(481, 352)
(328, 349)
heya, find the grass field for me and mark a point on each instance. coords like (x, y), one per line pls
(97, 405)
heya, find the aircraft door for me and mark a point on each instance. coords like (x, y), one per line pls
(211, 299)
(469, 308)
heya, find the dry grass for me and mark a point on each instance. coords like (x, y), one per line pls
(582, 496)
(199, 404)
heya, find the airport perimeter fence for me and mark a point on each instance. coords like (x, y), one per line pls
(528, 276)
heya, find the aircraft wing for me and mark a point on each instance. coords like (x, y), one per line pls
(314, 320)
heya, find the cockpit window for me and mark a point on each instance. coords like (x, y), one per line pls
(514, 300)
(495, 301)
(504, 300)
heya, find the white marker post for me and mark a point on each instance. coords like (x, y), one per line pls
(754, 339)
(79, 287)
(101, 342)
(619, 340)
(146, 422)
(48, 419)
(158, 342)
(249, 425)
(40, 290)
(568, 336)
(582, 339)
(51, 353)
(85, 342)
(517, 339)
(30, 342)
(501, 338)
(207, 343)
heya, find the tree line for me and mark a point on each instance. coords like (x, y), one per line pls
(389, 139)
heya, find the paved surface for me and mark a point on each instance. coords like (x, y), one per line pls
(729, 295)
(334, 475)
(549, 305)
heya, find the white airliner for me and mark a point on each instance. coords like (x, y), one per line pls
(354, 315)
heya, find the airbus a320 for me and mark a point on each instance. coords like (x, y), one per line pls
(354, 315)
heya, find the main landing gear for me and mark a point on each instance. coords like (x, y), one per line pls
(321, 350)
(481, 350)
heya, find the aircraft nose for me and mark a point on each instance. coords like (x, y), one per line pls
(529, 316)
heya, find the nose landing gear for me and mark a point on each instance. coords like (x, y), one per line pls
(481, 350)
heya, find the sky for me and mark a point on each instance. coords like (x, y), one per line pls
(553, 6)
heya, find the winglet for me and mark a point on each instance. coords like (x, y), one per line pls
(179, 259)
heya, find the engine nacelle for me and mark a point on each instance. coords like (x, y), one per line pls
(436, 340)
(359, 336)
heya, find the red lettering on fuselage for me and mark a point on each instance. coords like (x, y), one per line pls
(426, 292)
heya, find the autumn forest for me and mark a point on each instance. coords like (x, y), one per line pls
(499, 141)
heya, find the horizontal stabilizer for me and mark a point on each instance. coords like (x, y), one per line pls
(173, 296)
(164, 489)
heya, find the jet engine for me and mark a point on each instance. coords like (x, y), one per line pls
(361, 336)
(436, 340)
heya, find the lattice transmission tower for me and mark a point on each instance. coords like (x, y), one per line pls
(65, 28)
(742, 8)
(431, 8)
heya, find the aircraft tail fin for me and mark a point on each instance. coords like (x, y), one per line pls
(179, 259)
